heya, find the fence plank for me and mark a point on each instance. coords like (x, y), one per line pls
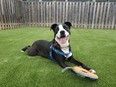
(103, 15)
(66, 16)
(38, 13)
(0, 17)
(97, 15)
(82, 21)
(79, 17)
(63, 11)
(94, 15)
(100, 16)
(113, 16)
(53, 12)
(107, 15)
(49, 17)
(90, 14)
(110, 17)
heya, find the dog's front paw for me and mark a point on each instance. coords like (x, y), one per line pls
(93, 71)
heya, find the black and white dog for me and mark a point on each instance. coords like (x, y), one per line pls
(58, 49)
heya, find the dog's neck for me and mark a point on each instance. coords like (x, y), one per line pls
(63, 47)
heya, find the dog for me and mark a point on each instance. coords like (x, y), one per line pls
(59, 49)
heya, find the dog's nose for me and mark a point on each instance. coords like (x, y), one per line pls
(62, 32)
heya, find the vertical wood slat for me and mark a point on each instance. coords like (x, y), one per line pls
(88, 6)
(47, 16)
(0, 17)
(23, 12)
(41, 14)
(97, 15)
(114, 16)
(94, 14)
(63, 10)
(85, 9)
(49, 6)
(29, 7)
(100, 17)
(107, 15)
(79, 22)
(15, 10)
(4, 16)
(110, 16)
(103, 17)
(90, 14)
(44, 15)
(83, 15)
(56, 12)
(38, 7)
(66, 15)
(32, 10)
(60, 12)
(73, 13)
(53, 12)
(76, 11)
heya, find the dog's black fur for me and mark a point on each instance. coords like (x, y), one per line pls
(42, 48)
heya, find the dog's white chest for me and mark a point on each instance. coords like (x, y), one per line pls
(67, 52)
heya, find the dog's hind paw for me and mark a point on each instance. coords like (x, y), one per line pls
(25, 48)
(22, 50)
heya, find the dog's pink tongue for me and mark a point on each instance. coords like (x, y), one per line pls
(63, 40)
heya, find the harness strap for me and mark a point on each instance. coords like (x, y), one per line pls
(67, 55)
(51, 57)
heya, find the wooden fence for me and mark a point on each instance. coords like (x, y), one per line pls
(10, 14)
(14, 13)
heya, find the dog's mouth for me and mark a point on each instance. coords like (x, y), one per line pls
(63, 39)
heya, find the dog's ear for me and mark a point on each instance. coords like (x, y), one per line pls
(53, 27)
(68, 24)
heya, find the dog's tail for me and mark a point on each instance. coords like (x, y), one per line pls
(25, 48)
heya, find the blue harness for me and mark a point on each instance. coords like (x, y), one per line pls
(58, 52)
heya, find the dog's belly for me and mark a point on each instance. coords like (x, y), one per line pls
(42, 47)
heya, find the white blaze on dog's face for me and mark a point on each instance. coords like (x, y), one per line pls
(62, 36)
(62, 33)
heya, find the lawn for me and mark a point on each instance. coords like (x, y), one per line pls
(95, 48)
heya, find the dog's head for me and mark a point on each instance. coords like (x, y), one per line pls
(62, 33)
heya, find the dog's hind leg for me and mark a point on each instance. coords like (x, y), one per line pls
(25, 48)
(32, 51)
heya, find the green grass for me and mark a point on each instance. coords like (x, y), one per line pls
(95, 48)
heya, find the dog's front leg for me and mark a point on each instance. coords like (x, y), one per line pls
(65, 66)
(78, 63)
(62, 63)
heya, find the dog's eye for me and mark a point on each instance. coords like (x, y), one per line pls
(64, 27)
